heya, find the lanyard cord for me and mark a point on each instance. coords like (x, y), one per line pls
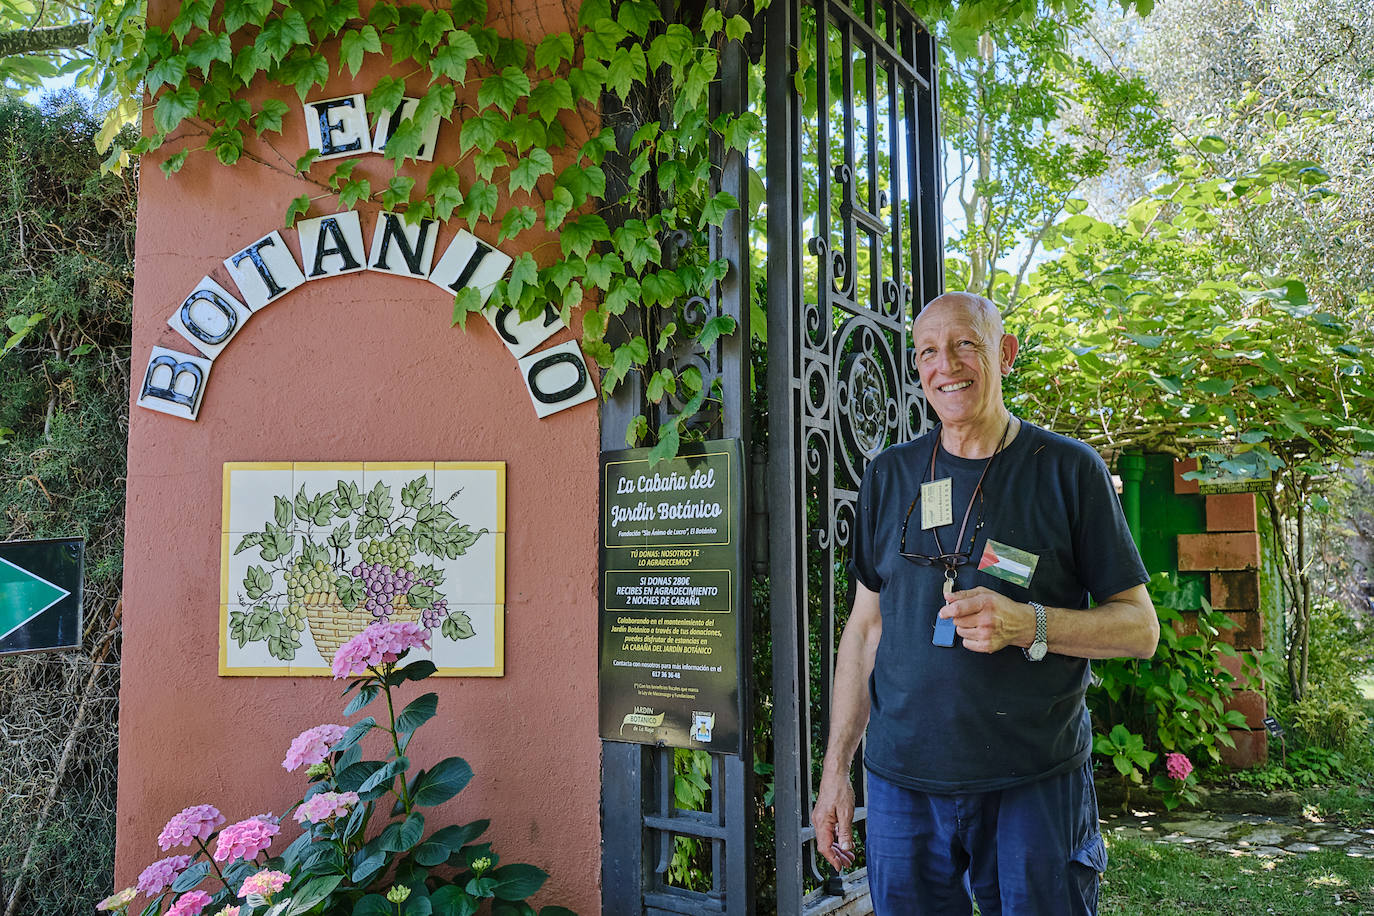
(977, 491)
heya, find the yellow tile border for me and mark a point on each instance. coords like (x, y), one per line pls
(398, 465)
(229, 468)
(500, 582)
(224, 575)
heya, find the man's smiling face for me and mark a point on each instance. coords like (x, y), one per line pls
(961, 355)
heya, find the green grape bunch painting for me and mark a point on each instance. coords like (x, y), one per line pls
(313, 553)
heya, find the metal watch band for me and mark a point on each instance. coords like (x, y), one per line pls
(1040, 646)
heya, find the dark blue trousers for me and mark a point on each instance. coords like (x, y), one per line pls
(1032, 850)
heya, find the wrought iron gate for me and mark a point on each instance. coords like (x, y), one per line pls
(854, 249)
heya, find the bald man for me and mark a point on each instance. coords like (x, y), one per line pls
(990, 562)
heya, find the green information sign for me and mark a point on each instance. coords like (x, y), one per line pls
(673, 597)
(40, 594)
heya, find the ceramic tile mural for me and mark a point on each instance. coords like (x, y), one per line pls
(312, 552)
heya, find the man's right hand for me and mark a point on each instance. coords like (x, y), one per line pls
(833, 818)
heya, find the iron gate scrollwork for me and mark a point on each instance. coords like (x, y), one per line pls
(854, 249)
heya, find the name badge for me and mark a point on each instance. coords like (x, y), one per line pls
(936, 503)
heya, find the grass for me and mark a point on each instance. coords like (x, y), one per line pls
(1165, 880)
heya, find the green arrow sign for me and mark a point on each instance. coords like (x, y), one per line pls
(23, 596)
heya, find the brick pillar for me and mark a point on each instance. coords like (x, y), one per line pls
(1230, 552)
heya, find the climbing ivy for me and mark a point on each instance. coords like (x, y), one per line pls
(588, 204)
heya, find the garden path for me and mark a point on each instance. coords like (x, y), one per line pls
(1241, 834)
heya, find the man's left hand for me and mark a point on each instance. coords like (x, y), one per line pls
(987, 621)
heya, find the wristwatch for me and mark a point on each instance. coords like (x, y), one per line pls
(1040, 647)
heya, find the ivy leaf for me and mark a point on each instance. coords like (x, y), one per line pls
(169, 71)
(227, 144)
(736, 28)
(470, 11)
(238, 13)
(716, 209)
(481, 202)
(481, 132)
(468, 300)
(304, 162)
(445, 189)
(172, 164)
(397, 192)
(387, 95)
(250, 61)
(634, 16)
(581, 234)
(174, 107)
(194, 14)
(588, 79)
(434, 25)
(662, 288)
(270, 117)
(626, 68)
(516, 221)
(356, 43)
(486, 162)
(452, 59)
(713, 329)
(504, 89)
(557, 208)
(529, 170)
(279, 36)
(523, 271)
(208, 48)
(622, 295)
(550, 97)
(552, 51)
(593, 10)
(354, 191)
(310, 71)
(672, 47)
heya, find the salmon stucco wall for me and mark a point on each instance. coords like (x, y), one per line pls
(364, 367)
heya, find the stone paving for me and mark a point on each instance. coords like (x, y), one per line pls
(1241, 834)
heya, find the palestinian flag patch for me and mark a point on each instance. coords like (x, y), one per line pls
(1008, 563)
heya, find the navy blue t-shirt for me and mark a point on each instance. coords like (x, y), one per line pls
(948, 720)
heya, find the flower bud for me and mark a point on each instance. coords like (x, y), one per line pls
(481, 865)
(399, 893)
(317, 770)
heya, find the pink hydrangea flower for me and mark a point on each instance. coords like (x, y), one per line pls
(312, 746)
(264, 883)
(229, 911)
(1178, 766)
(194, 823)
(324, 806)
(380, 644)
(246, 839)
(161, 874)
(189, 904)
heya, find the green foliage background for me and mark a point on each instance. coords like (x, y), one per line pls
(66, 254)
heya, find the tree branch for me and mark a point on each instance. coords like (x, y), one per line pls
(41, 41)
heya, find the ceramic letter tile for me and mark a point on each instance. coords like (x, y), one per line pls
(388, 121)
(480, 489)
(209, 318)
(468, 261)
(332, 245)
(520, 337)
(174, 383)
(265, 270)
(338, 127)
(403, 248)
(557, 378)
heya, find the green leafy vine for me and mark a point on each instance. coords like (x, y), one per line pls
(586, 204)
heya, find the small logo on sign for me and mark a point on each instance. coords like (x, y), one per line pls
(702, 723)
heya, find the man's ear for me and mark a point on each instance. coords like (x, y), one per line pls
(1010, 347)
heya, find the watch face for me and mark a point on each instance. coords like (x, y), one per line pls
(1038, 650)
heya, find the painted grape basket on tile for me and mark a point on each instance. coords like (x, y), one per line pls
(344, 548)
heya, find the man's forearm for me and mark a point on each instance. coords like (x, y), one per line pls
(849, 693)
(1125, 626)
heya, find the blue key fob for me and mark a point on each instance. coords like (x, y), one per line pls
(944, 632)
